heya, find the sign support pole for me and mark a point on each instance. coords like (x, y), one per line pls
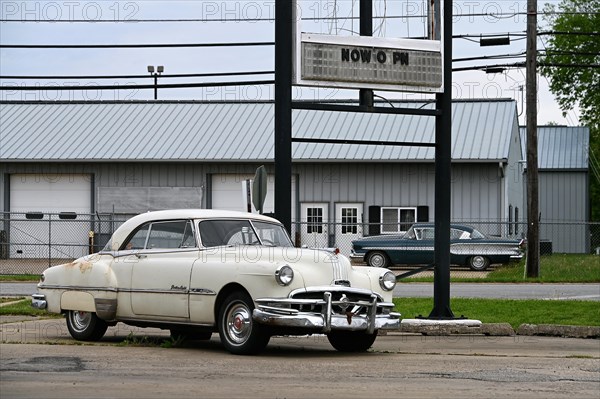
(283, 112)
(443, 158)
(366, 29)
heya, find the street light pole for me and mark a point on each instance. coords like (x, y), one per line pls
(159, 69)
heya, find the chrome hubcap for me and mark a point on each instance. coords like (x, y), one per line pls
(80, 320)
(239, 323)
(478, 262)
(377, 260)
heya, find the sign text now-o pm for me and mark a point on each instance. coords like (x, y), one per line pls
(368, 62)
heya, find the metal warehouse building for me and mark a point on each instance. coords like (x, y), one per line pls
(130, 157)
(563, 186)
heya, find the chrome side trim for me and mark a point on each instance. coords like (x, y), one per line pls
(202, 291)
(163, 322)
(75, 288)
(193, 291)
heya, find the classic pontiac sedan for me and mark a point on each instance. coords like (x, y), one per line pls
(196, 272)
(468, 246)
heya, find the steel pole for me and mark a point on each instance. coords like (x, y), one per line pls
(283, 112)
(443, 146)
(366, 29)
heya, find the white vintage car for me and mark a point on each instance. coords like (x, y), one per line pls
(196, 272)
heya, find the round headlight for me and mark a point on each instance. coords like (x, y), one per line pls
(387, 281)
(284, 275)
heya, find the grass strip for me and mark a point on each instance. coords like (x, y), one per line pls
(512, 311)
(23, 308)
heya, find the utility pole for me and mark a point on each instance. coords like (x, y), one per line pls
(533, 226)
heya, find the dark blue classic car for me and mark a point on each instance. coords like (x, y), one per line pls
(468, 247)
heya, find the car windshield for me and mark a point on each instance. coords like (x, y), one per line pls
(215, 233)
(272, 234)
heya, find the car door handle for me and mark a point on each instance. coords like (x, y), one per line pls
(141, 256)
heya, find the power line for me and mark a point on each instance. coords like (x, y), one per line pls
(240, 44)
(162, 45)
(136, 86)
(181, 75)
(268, 19)
(522, 65)
(574, 33)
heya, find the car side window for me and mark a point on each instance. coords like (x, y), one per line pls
(214, 233)
(428, 234)
(138, 241)
(457, 234)
(163, 235)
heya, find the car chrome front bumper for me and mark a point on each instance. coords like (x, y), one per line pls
(279, 313)
(38, 301)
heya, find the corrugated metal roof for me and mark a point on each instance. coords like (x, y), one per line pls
(181, 131)
(560, 147)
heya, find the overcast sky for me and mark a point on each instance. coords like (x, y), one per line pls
(240, 21)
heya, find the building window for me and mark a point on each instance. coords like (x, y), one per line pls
(516, 220)
(314, 219)
(397, 220)
(349, 220)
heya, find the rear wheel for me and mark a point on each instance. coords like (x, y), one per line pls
(378, 259)
(238, 332)
(351, 341)
(479, 263)
(85, 326)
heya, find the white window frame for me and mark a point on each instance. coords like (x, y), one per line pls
(386, 229)
(349, 223)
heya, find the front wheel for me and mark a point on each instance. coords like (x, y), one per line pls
(378, 259)
(238, 332)
(479, 263)
(351, 341)
(85, 326)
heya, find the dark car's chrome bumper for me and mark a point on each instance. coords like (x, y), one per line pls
(38, 301)
(279, 313)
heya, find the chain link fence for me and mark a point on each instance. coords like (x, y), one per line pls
(31, 242)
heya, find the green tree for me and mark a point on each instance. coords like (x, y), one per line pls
(574, 43)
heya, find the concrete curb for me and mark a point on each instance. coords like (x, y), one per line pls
(559, 331)
(475, 327)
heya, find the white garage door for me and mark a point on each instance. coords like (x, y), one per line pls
(67, 197)
(227, 192)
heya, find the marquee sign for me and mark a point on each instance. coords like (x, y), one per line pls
(368, 62)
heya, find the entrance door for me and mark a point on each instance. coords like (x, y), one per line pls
(348, 225)
(314, 227)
